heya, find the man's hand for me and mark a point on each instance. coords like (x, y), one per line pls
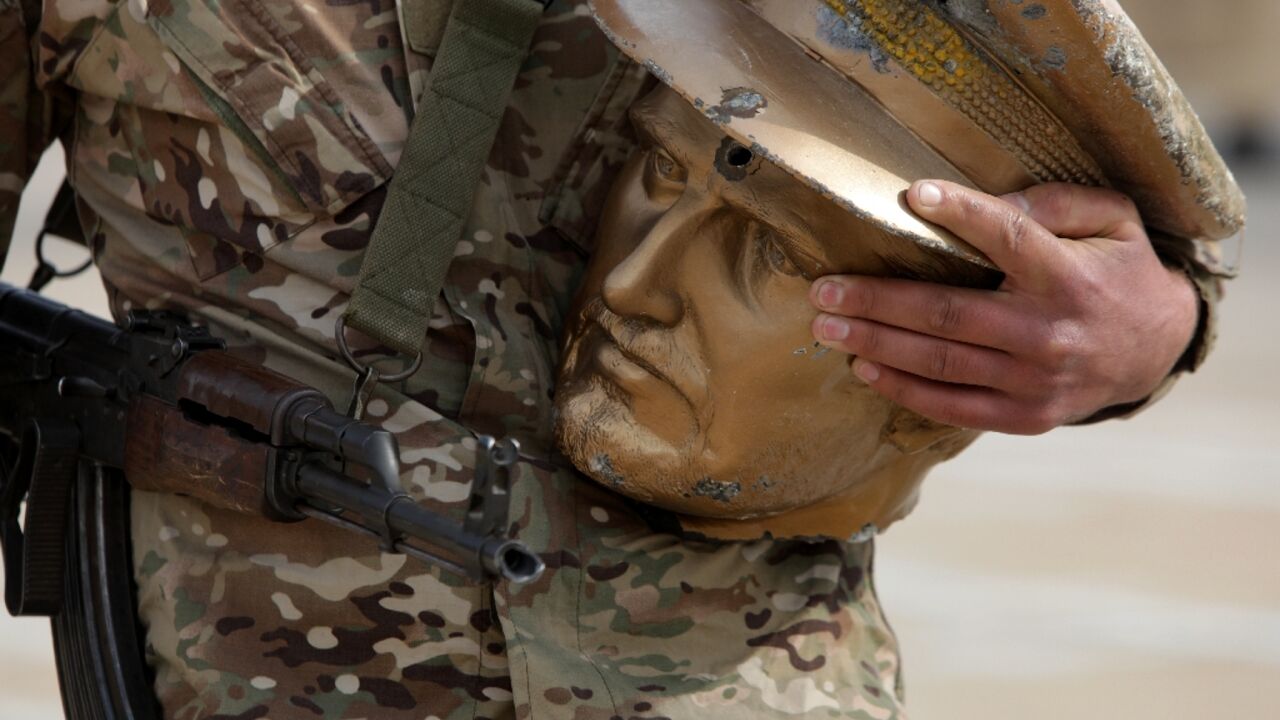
(1086, 318)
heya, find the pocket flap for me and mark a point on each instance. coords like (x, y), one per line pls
(243, 54)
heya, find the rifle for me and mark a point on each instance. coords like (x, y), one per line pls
(85, 405)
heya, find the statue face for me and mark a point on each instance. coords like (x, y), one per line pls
(690, 378)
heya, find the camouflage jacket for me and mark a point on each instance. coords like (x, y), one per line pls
(230, 159)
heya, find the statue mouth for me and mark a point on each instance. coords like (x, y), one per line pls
(631, 353)
(617, 360)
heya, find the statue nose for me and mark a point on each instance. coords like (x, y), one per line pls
(646, 283)
(636, 290)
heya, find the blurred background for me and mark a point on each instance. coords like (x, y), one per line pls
(1124, 570)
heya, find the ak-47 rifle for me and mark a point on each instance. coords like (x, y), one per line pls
(85, 405)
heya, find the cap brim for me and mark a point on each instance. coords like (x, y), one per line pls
(767, 93)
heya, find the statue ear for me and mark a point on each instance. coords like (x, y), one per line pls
(913, 433)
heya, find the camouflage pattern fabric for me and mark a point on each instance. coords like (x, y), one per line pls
(231, 158)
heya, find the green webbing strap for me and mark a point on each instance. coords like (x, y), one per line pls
(429, 199)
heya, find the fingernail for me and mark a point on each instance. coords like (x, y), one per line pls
(1017, 200)
(829, 295)
(930, 195)
(833, 328)
(865, 370)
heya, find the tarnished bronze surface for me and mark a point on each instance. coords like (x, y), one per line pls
(1009, 93)
(691, 380)
(940, 84)
(1088, 63)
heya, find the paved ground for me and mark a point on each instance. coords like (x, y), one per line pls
(1120, 571)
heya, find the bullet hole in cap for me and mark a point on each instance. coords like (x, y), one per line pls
(739, 156)
(733, 159)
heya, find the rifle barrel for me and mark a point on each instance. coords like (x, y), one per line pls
(375, 506)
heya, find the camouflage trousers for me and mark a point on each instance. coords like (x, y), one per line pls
(248, 619)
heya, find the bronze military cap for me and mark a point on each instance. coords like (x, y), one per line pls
(860, 97)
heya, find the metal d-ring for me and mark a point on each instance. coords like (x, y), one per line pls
(56, 272)
(46, 271)
(340, 335)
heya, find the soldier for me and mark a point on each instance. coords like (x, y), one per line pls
(231, 160)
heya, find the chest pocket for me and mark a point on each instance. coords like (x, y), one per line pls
(223, 113)
(256, 69)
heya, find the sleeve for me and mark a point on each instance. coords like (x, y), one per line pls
(1202, 263)
(23, 135)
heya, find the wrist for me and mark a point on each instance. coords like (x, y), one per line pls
(1195, 327)
(1171, 340)
(1173, 347)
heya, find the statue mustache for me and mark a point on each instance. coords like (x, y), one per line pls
(653, 349)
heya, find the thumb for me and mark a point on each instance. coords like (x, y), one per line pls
(1012, 239)
(1077, 211)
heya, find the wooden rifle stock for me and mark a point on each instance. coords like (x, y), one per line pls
(167, 451)
(215, 443)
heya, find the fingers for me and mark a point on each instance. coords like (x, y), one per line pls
(918, 354)
(976, 317)
(1018, 245)
(1077, 211)
(957, 405)
(1061, 338)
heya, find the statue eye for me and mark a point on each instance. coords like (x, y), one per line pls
(779, 261)
(664, 167)
(664, 179)
(771, 249)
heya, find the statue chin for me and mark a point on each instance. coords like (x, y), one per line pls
(602, 442)
(787, 490)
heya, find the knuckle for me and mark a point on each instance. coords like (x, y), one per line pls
(1133, 228)
(944, 314)
(1014, 231)
(944, 362)
(894, 391)
(866, 337)
(1041, 380)
(1036, 422)
(861, 298)
(1054, 353)
(971, 206)
(1047, 418)
(1058, 346)
(1089, 283)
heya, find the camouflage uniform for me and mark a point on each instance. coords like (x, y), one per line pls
(230, 159)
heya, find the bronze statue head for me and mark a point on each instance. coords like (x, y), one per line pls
(690, 378)
(780, 153)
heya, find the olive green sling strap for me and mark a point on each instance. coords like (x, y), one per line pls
(429, 198)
